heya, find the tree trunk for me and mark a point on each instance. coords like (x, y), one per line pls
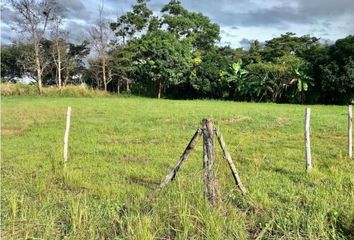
(104, 73)
(59, 67)
(56, 77)
(128, 88)
(118, 87)
(38, 66)
(66, 79)
(80, 78)
(98, 82)
(59, 75)
(302, 97)
(159, 90)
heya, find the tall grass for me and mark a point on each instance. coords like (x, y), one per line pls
(8, 89)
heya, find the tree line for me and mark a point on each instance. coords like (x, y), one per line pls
(176, 54)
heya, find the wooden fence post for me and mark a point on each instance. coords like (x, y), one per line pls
(230, 162)
(183, 157)
(350, 131)
(209, 162)
(307, 140)
(211, 187)
(66, 135)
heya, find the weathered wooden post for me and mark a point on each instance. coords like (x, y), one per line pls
(211, 191)
(211, 187)
(307, 140)
(171, 176)
(230, 162)
(66, 135)
(350, 131)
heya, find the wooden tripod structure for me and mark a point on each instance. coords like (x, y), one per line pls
(209, 132)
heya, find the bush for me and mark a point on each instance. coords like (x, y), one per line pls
(9, 89)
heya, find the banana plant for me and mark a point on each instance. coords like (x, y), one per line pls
(236, 74)
(238, 71)
(303, 81)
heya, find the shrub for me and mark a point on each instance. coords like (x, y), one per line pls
(9, 89)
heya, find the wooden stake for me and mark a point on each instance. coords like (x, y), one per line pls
(171, 176)
(230, 162)
(209, 162)
(307, 140)
(350, 131)
(66, 135)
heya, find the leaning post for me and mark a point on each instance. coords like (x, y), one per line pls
(230, 162)
(172, 175)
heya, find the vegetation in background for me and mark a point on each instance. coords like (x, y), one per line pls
(185, 61)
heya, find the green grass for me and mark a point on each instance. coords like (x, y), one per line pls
(121, 148)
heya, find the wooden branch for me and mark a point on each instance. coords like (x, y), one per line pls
(230, 162)
(307, 140)
(172, 175)
(350, 131)
(66, 135)
(211, 191)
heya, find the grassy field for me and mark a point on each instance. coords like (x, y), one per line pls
(121, 148)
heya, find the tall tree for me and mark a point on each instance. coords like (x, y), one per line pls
(122, 65)
(336, 75)
(100, 34)
(59, 48)
(288, 43)
(162, 60)
(194, 26)
(32, 18)
(255, 52)
(75, 61)
(13, 58)
(134, 21)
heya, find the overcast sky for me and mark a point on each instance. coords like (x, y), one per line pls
(240, 20)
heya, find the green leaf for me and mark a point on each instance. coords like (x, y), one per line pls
(305, 86)
(299, 85)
